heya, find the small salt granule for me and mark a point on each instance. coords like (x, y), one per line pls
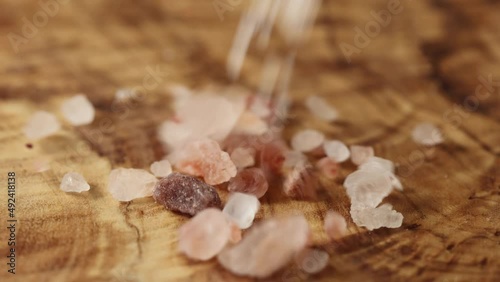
(336, 150)
(126, 184)
(307, 140)
(241, 208)
(78, 110)
(360, 154)
(427, 134)
(321, 109)
(335, 225)
(161, 168)
(74, 182)
(41, 125)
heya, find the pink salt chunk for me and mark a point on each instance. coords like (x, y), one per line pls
(335, 225)
(300, 183)
(206, 159)
(249, 181)
(243, 157)
(185, 194)
(328, 167)
(272, 156)
(204, 235)
(252, 256)
(360, 154)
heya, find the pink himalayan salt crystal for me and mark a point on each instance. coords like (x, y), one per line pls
(272, 156)
(161, 168)
(321, 109)
(335, 225)
(250, 181)
(427, 134)
(42, 124)
(78, 110)
(374, 218)
(307, 140)
(185, 194)
(360, 154)
(250, 123)
(74, 182)
(367, 188)
(301, 183)
(336, 150)
(312, 260)
(328, 168)
(205, 158)
(292, 158)
(126, 184)
(243, 157)
(241, 209)
(267, 247)
(173, 134)
(204, 235)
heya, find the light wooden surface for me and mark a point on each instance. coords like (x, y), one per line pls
(422, 65)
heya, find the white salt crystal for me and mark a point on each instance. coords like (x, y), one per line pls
(124, 94)
(373, 218)
(360, 154)
(41, 124)
(174, 135)
(307, 140)
(241, 208)
(367, 188)
(243, 157)
(74, 182)
(427, 134)
(126, 184)
(161, 168)
(78, 110)
(378, 162)
(321, 109)
(336, 150)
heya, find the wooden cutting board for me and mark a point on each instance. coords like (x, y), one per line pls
(425, 61)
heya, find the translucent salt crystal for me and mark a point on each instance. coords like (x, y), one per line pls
(250, 181)
(78, 110)
(41, 125)
(210, 115)
(205, 158)
(300, 183)
(307, 140)
(185, 194)
(367, 188)
(180, 94)
(241, 208)
(360, 154)
(243, 157)
(336, 150)
(126, 184)
(292, 158)
(378, 162)
(321, 109)
(374, 218)
(272, 156)
(328, 168)
(174, 135)
(335, 225)
(161, 168)
(267, 247)
(312, 260)
(250, 123)
(204, 235)
(74, 182)
(427, 134)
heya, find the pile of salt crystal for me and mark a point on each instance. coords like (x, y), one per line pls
(78, 110)
(42, 124)
(74, 182)
(367, 187)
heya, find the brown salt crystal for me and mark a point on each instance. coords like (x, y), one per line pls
(249, 181)
(300, 183)
(335, 225)
(267, 247)
(328, 167)
(185, 194)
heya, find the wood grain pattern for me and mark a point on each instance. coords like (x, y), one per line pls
(425, 65)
